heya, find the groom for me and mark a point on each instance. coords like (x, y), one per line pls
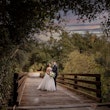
(55, 70)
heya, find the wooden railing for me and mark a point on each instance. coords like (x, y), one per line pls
(19, 82)
(87, 84)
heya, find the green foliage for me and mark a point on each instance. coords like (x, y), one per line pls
(20, 18)
(105, 87)
(35, 67)
(14, 60)
(6, 80)
(81, 63)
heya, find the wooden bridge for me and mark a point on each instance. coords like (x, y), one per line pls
(29, 98)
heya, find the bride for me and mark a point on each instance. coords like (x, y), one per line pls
(47, 82)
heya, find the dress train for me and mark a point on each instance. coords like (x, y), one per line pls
(47, 83)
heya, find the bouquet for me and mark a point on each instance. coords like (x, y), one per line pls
(52, 74)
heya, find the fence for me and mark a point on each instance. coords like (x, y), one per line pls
(87, 84)
(19, 83)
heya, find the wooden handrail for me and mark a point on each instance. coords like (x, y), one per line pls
(89, 75)
(19, 81)
(21, 85)
(73, 80)
(85, 81)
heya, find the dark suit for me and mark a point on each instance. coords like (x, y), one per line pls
(55, 70)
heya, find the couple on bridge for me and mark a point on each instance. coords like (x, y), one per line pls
(49, 81)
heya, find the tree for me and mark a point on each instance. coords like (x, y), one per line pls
(106, 27)
(19, 18)
(82, 63)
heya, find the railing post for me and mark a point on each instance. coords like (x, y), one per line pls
(63, 78)
(15, 94)
(98, 87)
(75, 81)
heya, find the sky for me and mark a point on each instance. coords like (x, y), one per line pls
(78, 26)
(72, 25)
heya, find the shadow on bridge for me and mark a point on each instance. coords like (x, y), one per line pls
(30, 98)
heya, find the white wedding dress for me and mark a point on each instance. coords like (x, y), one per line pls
(47, 83)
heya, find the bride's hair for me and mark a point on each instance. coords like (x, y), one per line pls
(49, 65)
